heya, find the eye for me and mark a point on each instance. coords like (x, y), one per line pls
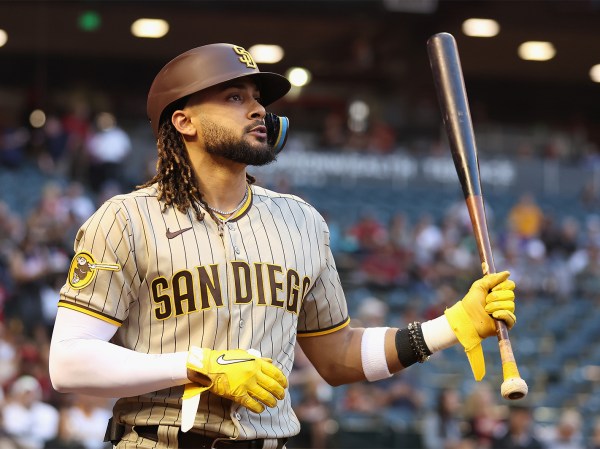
(235, 97)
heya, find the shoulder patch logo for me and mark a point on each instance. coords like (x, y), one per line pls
(83, 269)
(245, 57)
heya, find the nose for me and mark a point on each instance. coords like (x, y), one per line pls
(257, 111)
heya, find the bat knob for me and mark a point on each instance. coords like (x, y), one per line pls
(514, 388)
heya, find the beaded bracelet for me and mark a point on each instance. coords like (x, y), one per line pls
(417, 342)
(411, 346)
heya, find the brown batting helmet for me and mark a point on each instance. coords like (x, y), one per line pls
(207, 66)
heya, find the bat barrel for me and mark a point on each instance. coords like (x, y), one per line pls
(451, 92)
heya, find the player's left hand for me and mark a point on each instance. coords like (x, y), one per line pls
(472, 318)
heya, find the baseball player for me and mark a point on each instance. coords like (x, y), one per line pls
(197, 285)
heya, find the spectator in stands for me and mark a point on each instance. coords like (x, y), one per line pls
(334, 133)
(9, 360)
(79, 206)
(402, 399)
(46, 222)
(483, 416)
(568, 240)
(526, 218)
(443, 426)
(12, 228)
(400, 232)
(399, 399)
(567, 433)
(369, 232)
(382, 137)
(30, 264)
(458, 213)
(556, 147)
(594, 439)
(590, 196)
(341, 242)
(427, 238)
(37, 256)
(385, 267)
(409, 312)
(585, 266)
(514, 261)
(14, 139)
(108, 147)
(444, 298)
(78, 202)
(520, 432)
(561, 239)
(454, 260)
(77, 125)
(33, 352)
(587, 253)
(314, 416)
(313, 397)
(53, 159)
(26, 418)
(48, 291)
(63, 438)
(86, 419)
(362, 399)
(371, 312)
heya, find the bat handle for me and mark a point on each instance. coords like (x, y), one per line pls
(513, 387)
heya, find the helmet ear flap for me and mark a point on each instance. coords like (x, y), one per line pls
(277, 128)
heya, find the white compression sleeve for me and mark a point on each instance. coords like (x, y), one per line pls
(82, 360)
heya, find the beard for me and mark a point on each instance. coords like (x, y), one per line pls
(220, 141)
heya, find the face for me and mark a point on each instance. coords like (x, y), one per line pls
(229, 121)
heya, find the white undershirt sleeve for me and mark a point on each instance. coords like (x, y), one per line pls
(82, 360)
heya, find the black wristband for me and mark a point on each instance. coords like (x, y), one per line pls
(404, 348)
(411, 346)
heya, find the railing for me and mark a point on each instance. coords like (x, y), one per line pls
(402, 170)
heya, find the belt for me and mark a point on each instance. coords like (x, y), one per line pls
(193, 440)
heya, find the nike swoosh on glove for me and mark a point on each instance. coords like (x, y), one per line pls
(239, 375)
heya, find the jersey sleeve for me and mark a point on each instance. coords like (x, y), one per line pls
(102, 278)
(324, 309)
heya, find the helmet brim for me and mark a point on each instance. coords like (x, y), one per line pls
(272, 86)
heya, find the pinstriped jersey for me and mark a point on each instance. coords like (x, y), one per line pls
(169, 281)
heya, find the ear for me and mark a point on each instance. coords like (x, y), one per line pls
(182, 123)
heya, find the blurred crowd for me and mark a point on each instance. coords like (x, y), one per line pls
(413, 269)
(395, 271)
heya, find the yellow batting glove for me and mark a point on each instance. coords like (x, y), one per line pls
(472, 318)
(247, 379)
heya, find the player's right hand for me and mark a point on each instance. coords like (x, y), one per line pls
(247, 379)
(472, 318)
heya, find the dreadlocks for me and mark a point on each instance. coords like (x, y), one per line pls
(177, 183)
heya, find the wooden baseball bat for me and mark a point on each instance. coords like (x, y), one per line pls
(452, 96)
